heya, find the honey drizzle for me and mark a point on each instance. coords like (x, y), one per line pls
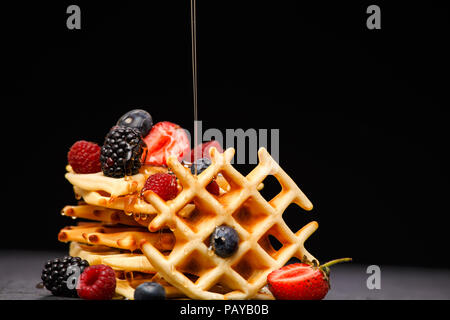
(194, 72)
(129, 204)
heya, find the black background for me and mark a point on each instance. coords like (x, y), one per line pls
(362, 113)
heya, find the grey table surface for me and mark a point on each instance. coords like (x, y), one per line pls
(20, 273)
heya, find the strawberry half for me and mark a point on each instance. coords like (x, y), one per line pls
(301, 281)
(164, 140)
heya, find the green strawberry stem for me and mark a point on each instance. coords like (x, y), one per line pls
(332, 262)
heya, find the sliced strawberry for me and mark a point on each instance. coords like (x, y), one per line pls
(164, 140)
(202, 150)
(298, 281)
(301, 281)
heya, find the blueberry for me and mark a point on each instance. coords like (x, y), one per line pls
(150, 291)
(224, 241)
(138, 119)
(201, 165)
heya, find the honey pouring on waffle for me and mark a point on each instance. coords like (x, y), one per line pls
(167, 225)
(160, 220)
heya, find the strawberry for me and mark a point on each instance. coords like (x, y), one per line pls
(301, 281)
(163, 184)
(202, 150)
(213, 188)
(164, 140)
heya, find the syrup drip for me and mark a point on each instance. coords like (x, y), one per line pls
(129, 205)
(194, 72)
(210, 251)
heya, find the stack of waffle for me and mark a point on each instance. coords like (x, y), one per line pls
(144, 238)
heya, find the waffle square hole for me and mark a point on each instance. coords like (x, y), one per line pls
(250, 214)
(224, 285)
(230, 180)
(271, 187)
(195, 265)
(229, 185)
(222, 183)
(274, 241)
(295, 217)
(195, 219)
(251, 266)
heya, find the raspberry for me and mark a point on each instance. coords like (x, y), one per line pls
(97, 282)
(163, 184)
(121, 153)
(84, 157)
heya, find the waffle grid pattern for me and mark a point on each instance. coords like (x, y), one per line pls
(191, 266)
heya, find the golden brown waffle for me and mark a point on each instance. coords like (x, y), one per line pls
(126, 238)
(129, 204)
(114, 193)
(131, 270)
(105, 215)
(126, 287)
(114, 187)
(133, 205)
(115, 258)
(121, 194)
(193, 268)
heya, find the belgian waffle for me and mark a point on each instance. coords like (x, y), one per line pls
(126, 238)
(242, 208)
(132, 269)
(105, 215)
(175, 242)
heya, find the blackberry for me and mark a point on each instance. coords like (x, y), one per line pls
(121, 153)
(55, 275)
